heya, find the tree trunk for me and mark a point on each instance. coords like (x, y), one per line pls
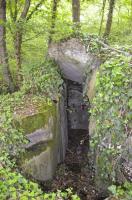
(18, 39)
(3, 50)
(18, 47)
(76, 11)
(102, 18)
(53, 19)
(18, 36)
(109, 19)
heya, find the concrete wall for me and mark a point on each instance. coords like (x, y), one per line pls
(46, 131)
(77, 108)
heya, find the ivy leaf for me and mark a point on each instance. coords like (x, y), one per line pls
(112, 189)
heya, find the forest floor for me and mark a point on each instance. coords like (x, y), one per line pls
(77, 171)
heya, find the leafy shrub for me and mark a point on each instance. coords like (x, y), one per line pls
(121, 192)
(44, 80)
(11, 136)
(14, 186)
(111, 111)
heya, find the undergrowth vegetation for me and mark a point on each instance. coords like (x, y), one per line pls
(14, 186)
(24, 41)
(111, 111)
(123, 192)
(36, 86)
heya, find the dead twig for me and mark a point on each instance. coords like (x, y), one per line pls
(111, 48)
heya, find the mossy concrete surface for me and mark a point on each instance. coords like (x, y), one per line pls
(43, 130)
(34, 115)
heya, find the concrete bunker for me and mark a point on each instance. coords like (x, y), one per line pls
(63, 128)
(79, 69)
(58, 126)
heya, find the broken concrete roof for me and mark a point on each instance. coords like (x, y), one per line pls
(72, 58)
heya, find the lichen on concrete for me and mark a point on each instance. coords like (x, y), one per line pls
(34, 116)
(41, 123)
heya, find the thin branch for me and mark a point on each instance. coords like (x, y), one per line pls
(102, 18)
(113, 49)
(11, 11)
(53, 19)
(15, 11)
(35, 36)
(13, 15)
(25, 9)
(35, 9)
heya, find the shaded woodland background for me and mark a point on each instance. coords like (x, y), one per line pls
(27, 27)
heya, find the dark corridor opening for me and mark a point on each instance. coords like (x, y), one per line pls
(77, 107)
(77, 170)
(78, 136)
